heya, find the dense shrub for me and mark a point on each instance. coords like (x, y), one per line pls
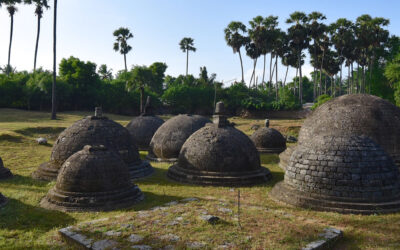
(321, 100)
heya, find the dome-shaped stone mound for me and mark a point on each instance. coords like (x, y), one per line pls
(3, 200)
(220, 155)
(357, 114)
(142, 128)
(284, 157)
(93, 179)
(350, 174)
(5, 173)
(169, 137)
(94, 130)
(268, 140)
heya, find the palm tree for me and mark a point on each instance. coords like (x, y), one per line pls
(270, 22)
(298, 35)
(254, 53)
(39, 13)
(104, 72)
(11, 10)
(186, 45)
(316, 29)
(53, 91)
(235, 38)
(121, 44)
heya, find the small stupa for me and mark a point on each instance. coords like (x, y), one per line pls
(219, 155)
(268, 140)
(5, 173)
(93, 179)
(170, 136)
(143, 127)
(94, 130)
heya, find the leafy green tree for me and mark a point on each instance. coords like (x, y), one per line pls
(186, 45)
(392, 72)
(141, 76)
(158, 74)
(122, 35)
(235, 38)
(105, 73)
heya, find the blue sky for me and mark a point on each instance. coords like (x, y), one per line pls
(85, 30)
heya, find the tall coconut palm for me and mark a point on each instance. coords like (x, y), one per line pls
(299, 39)
(316, 29)
(235, 38)
(40, 4)
(53, 89)
(11, 10)
(186, 45)
(270, 22)
(254, 53)
(121, 42)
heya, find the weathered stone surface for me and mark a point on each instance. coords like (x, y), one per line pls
(349, 174)
(170, 237)
(328, 238)
(196, 245)
(135, 238)
(103, 244)
(209, 218)
(268, 141)
(142, 247)
(142, 128)
(357, 114)
(220, 155)
(170, 136)
(5, 173)
(284, 157)
(94, 130)
(93, 179)
(41, 141)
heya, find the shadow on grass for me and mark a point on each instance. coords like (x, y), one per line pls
(160, 178)
(40, 131)
(11, 138)
(20, 181)
(16, 215)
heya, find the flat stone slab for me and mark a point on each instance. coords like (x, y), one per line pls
(328, 238)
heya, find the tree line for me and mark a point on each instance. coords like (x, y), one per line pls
(365, 42)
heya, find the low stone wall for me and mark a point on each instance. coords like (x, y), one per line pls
(274, 114)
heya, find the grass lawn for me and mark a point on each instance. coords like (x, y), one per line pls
(265, 224)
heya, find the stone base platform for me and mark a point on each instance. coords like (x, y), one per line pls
(228, 179)
(152, 157)
(270, 150)
(140, 170)
(85, 202)
(284, 193)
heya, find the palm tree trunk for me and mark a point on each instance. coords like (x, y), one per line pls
(126, 67)
(187, 61)
(141, 99)
(300, 81)
(320, 72)
(265, 55)
(295, 79)
(352, 78)
(358, 78)
(9, 46)
(37, 44)
(241, 64)
(276, 76)
(325, 85)
(53, 91)
(270, 72)
(287, 69)
(315, 76)
(348, 80)
(340, 80)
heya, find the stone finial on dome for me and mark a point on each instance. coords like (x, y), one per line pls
(220, 118)
(267, 123)
(98, 112)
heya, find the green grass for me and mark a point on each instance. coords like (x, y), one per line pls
(265, 223)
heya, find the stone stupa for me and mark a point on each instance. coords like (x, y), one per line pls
(94, 130)
(143, 127)
(268, 140)
(345, 158)
(169, 137)
(219, 155)
(5, 173)
(93, 179)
